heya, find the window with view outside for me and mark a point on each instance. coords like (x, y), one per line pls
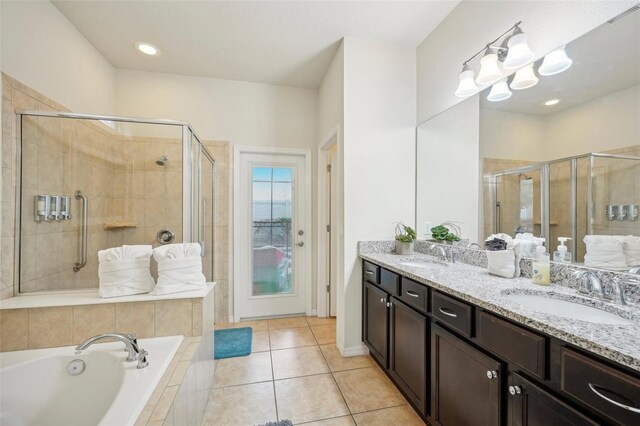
(272, 237)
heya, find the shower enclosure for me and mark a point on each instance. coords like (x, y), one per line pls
(571, 197)
(90, 182)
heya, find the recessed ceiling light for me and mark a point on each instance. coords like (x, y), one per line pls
(147, 48)
(551, 102)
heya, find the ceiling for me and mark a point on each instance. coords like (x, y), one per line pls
(605, 60)
(276, 42)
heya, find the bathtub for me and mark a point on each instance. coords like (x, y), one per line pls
(36, 389)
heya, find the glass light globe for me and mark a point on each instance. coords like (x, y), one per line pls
(519, 53)
(525, 78)
(466, 86)
(489, 70)
(555, 62)
(500, 91)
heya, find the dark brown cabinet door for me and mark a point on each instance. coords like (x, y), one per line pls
(465, 383)
(376, 322)
(408, 352)
(530, 405)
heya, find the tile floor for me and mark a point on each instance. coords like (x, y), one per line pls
(295, 372)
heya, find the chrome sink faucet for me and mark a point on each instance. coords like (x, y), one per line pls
(445, 253)
(592, 286)
(130, 342)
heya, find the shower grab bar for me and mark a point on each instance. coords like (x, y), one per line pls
(85, 221)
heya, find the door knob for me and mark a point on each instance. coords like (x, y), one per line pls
(491, 374)
(515, 390)
(300, 244)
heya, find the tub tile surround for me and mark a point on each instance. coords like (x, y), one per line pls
(47, 327)
(619, 343)
(130, 177)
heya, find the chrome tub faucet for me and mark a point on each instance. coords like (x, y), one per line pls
(134, 352)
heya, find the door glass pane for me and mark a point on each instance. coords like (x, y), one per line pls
(272, 238)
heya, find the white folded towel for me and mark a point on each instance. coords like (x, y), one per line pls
(631, 249)
(179, 268)
(124, 271)
(606, 252)
(502, 263)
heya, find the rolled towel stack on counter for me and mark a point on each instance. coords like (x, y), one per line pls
(124, 271)
(503, 255)
(605, 251)
(631, 248)
(179, 268)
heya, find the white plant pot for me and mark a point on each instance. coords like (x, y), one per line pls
(404, 248)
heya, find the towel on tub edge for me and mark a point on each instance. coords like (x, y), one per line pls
(124, 271)
(179, 268)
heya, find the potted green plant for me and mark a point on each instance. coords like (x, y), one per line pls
(405, 236)
(442, 233)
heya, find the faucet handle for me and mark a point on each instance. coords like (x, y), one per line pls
(617, 290)
(584, 286)
(142, 358)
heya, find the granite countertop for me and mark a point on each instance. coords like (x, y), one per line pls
(619, 343)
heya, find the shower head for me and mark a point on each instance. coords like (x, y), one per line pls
(162, 160)
(524, 177)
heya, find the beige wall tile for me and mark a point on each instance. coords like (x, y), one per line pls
(173, 317)
(14, 329)
(135, 317)
(92, 320)
(164, 404)
(50, 327)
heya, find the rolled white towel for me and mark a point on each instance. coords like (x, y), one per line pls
(179, 268)
(124, 271)
(605, 251)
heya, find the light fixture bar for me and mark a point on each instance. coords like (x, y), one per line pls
(492, 44)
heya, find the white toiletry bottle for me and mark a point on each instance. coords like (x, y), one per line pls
(562, 254)
(541, 266)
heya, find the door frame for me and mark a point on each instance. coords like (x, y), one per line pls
(308, 200)
(331, 139)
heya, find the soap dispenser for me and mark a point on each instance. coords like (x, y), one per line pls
(562, 254)
(541, 266)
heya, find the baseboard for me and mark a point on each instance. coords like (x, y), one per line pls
(358, 350)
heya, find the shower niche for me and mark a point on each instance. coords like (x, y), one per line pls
(91, 182)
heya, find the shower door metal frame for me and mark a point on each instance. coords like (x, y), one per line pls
(187, 177)
(545, 191)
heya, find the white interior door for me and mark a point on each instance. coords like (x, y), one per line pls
(272, 274)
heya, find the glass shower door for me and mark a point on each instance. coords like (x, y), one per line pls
(518, 206)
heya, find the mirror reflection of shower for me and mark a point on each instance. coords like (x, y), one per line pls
(526, 204)
(162, 161)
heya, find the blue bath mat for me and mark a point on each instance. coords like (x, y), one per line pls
(232, 342)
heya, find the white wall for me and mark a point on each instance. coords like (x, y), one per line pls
(448, 169)
(41, 49)
(512, 135)
(379, 149)
(606, 123)
(471, 24)
(331, 96)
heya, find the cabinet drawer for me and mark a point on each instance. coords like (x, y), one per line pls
(612, 392)
(371, 272)
(519, 346)
(390, 282)
(452, 312)
(414, 294)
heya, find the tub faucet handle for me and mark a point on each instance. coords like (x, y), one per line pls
(142, 358)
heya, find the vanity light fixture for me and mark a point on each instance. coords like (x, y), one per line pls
(552, 102)
(555, 62)
(467, 85)
(513, 52)
(499, 91)
(525, 78)
(147, 48)
(489, 70)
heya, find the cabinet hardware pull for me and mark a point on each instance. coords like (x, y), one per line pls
(515, 390)
(368, 272)
(626, 407)
(389, 304)
(412, 293)
(448, 313)
(382, 300)
(492, 374)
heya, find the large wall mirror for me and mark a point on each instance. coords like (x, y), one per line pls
(559, 159)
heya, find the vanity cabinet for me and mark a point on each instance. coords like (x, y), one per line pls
(465, 383)
(530, 405)
(376, 322)
(408, 352)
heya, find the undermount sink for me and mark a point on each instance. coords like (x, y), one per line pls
(567, 309)
(422, 265)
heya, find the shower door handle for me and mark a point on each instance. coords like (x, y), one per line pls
(83, 227)
(498, 217)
